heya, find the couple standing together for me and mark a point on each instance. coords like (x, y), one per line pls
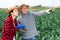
(26, 20)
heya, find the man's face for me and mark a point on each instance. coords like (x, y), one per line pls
(23, 10)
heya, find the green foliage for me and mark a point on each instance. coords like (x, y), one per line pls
(48, 26)
(58, 8)
(2, 18)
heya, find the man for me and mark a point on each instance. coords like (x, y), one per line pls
(28, 19)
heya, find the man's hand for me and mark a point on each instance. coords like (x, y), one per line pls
(49, 11)
(19, 26)
(22, 30)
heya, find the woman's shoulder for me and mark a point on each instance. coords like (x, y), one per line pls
(8, 19)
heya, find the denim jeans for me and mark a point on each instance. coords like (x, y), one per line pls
(33, 38)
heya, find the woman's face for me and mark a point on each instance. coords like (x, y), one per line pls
(15, 12)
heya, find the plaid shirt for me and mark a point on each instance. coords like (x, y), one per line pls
(9, 30)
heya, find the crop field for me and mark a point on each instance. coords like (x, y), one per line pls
(48, 25)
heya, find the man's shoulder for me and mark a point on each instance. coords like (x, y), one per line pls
(29, 12)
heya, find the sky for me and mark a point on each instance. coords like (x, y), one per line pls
(7, 3)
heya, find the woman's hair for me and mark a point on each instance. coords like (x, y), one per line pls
(10, 13)
(10, 10)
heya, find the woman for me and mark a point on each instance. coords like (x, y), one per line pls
(10, 24)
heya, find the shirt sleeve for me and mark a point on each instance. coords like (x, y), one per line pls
(38, 13)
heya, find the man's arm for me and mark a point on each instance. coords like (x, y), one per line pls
(40, 13)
